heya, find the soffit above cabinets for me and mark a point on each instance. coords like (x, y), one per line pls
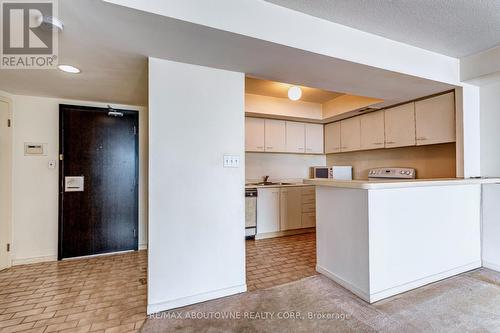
(269, 99)
(280, 90)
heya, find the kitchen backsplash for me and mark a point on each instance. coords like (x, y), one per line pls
(432, 161)
(280, 167)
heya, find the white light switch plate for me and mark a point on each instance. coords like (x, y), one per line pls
(231, 161)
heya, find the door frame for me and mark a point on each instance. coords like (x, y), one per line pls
(61, 172)
(9, 185)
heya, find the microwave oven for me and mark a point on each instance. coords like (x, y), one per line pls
(339, 172)
(321, 172)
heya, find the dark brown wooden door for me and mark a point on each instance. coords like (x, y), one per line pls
(104, 150)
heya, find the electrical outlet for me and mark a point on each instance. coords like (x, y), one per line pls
(231, 161)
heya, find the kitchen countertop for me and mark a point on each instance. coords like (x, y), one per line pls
(278, 185)
(398, 183)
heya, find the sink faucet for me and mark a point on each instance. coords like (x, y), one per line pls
(265, 178)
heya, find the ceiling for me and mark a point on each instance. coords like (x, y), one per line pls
(455, 28)
(279, 89)
(110, 44)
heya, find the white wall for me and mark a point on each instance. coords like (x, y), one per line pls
(468, 129)
(481, 67)
(490, 130)
(280, 167)
(298, 30)
(35, 186)
(196, 207)
(491, 226)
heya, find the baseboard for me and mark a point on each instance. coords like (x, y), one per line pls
(347, 285)
(422, 282)
(492, 266)
(33, 260)
(179, 302)
(143, 247)
(98, 255)
(284, 233)
(374, 297)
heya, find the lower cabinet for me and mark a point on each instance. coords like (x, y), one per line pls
(286, 208)
(290, 209)
(268, 210)
(308, 207)
(308, 220)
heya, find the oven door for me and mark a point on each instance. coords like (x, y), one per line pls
(250, 213)
(322, 172)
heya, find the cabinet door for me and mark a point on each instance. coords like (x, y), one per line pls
(295, 137)
(268, 210)
(372, 130)
(400, 126)
(290, 208)
(254, 134)
(332, 138)
(435, 119)
(350, 134)
(308, 220)
(275, 135)
(314, 138)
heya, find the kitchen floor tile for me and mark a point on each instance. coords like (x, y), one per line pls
(274, 261)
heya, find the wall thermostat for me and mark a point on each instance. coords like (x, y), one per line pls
(35, 149)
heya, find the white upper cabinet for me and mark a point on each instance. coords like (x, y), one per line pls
(332, 138)
(275, 135)
(435, 119)
(350, 134)
(295, 137)
(372, 130)
(254, 134)
(314, 138)
(400, 126)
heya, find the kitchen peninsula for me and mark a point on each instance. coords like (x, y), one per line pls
(381, 238)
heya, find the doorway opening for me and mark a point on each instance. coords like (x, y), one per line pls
(98, 181)
(5, 182)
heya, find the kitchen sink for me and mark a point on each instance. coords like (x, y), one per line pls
(268, 184)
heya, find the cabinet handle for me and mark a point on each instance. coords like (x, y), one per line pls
(269, 147)
(422, 138)
(378, 143)
(390, 142)
(260, 147)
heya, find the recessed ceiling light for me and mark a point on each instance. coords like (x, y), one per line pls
(69, 69)
(294, 93)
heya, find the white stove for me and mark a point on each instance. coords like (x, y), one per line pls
(392, 173)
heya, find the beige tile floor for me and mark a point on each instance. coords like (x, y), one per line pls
(280, 260)
(100, 294)
(108, 293)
